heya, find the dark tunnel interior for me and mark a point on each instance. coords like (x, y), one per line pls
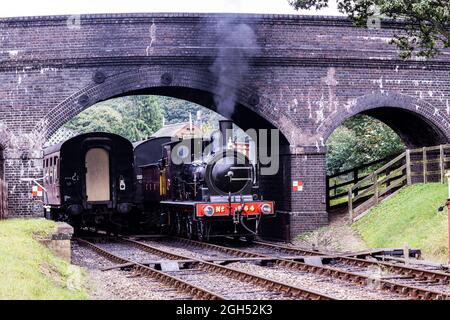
(414, 130)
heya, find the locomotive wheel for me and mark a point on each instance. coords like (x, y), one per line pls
(189, 229)
(200, 231)
(178, 225)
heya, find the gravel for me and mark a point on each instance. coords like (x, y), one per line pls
(129, 252)
(323, 284)
(116, 284)
(228, 287)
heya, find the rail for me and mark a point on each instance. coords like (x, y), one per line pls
(422, 165)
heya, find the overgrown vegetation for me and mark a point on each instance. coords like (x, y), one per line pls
(360, 140)
(29, 270)
(138, 117)
(134, 117)
(410, 217)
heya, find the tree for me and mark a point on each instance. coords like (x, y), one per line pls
(426, 22)
(360, 140)
(135, 117)
(100, 118)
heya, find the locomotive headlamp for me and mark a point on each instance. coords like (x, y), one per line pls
(266, 208)
(208, 211)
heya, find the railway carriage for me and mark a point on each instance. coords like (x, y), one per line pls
(204, 188)
(89, 181)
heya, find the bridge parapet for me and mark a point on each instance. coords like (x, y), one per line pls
(309, 74)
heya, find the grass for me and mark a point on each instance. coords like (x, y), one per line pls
(410, 217)
(29, 270)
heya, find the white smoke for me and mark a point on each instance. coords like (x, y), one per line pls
(237, 44)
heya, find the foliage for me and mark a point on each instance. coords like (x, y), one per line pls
(360, 139)
(410, 217)
(426, 22)
(135, 117)
(138, 117)
(101, 118)
(30, 270)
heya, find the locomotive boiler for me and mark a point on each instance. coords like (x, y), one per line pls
(205, 188)
(89, 181)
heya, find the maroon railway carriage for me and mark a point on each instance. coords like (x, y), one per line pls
(204, 189)
(90, 181)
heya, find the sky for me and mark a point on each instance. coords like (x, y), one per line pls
(17, 8)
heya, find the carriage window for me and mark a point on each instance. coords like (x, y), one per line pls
(45, 170)
(56, 170)
(50, 171)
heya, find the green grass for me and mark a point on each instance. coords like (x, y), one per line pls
(409, 217)
(29, 270)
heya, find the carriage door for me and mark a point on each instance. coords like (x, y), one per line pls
(97, 175)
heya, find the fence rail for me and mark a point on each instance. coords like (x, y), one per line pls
(421, 165)
(3, 200)
(339, 183)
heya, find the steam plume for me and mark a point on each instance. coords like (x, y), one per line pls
(236, 44)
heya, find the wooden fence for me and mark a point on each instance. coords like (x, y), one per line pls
(339, 183)
(421, 165)
(3, 200)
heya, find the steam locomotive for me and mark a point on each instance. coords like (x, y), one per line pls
(89, 181)
(200, 189)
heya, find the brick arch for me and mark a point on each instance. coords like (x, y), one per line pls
(189, 84)
(417, 122)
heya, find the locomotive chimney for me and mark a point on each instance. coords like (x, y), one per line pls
(226, 130)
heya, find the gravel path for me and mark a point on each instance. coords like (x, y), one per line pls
(116, 284)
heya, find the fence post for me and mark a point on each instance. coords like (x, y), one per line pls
(441, 162)
(355, 179)
(424, 159)
(350, 203)
(408, 167)
(375, 180)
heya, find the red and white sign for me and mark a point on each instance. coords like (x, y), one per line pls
(37, 191)
(297, 185)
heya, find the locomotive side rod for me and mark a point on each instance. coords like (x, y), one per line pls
(272, 285)
(163, 277)
(403, 289)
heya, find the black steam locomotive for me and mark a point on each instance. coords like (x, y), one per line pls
(199, 188)
(89, 181)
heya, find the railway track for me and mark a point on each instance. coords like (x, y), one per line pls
(202, 279)
(402, 280)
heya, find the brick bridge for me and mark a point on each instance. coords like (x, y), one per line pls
(309, 75)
